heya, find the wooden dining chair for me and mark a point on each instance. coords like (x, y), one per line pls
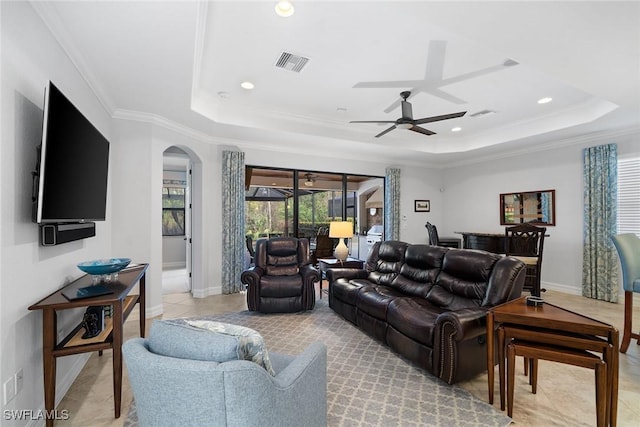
(526, 242)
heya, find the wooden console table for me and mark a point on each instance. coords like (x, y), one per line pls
(550, 324)
(110, 338)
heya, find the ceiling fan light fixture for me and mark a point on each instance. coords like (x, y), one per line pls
(406, 126)
(309, 181)
(284, 8)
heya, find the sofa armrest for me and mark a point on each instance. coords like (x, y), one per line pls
(459, 344)
(334, 274)
(463, 324)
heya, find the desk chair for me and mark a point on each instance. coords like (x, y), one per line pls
(628, 247)
(526, 242)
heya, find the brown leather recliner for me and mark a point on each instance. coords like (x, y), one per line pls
(282, 280)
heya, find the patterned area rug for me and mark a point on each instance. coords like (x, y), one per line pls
(367, 384)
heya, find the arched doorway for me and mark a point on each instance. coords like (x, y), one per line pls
(177, 223)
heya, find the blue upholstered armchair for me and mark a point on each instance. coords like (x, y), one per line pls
(628, 246)
(175, 381)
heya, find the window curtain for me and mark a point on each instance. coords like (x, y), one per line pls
(232, 221)
(392, 204)
(600, 263)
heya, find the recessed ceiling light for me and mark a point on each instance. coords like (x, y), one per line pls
(247, 85)
(456, 129)
(341, 110)
(223, 94)
(544, 100)
(284, 8)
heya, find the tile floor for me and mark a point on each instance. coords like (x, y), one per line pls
(565, 393)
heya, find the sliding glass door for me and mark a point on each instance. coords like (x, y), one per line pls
(285, 202)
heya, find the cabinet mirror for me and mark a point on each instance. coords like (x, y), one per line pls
(535, 207)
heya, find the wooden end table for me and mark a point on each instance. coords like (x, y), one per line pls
(328, 263)
(111, 336)
(550, 324)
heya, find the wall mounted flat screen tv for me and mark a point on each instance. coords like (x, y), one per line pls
(70, 181)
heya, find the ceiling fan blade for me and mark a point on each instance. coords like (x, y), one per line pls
(438, 118)
(422, 130)
(392, 107)
(388, 84)
(435, 60)
(372, 121)
(386, 131)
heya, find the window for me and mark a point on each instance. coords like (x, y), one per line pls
(173, 209)
(629, 195)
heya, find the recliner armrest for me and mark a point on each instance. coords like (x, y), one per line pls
(309, 272)
(252, 276)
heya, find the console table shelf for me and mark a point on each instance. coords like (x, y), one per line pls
(75, 337)
(111, 336)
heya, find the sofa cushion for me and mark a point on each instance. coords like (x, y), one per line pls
(347, 290)
(414, 317)
(374, 300)
(208, 341)
(421, 267)
(390, 258)
(464, 279)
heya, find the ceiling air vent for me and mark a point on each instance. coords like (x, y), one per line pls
(291, 62)
(482, 113)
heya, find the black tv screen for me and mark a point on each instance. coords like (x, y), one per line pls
(73, 165)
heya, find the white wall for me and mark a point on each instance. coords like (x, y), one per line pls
(472, 201)
(29, 272)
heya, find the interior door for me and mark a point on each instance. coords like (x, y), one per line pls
(187, 225)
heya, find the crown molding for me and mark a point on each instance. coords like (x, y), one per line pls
(551, 144)
(51, 19)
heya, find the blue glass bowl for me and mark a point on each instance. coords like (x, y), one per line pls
(104, 266)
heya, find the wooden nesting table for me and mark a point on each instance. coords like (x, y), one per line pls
(552, 325)
(110, 338)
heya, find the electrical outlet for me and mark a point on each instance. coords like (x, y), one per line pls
(9, 390)
(19, 381)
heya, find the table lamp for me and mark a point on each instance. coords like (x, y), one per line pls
(341, 230)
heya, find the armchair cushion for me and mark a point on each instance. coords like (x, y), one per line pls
(208, 341)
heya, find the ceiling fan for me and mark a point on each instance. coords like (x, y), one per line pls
(310, 180)
(407, 121)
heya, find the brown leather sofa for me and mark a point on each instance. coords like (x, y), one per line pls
(282, 279)
(428, 303)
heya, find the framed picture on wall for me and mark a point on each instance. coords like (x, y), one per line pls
(422, 206)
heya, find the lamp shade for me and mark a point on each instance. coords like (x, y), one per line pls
(340, 229)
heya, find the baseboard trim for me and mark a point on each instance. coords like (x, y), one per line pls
(567, 289)
(154, 311)
(173, 265)
(203, 293)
